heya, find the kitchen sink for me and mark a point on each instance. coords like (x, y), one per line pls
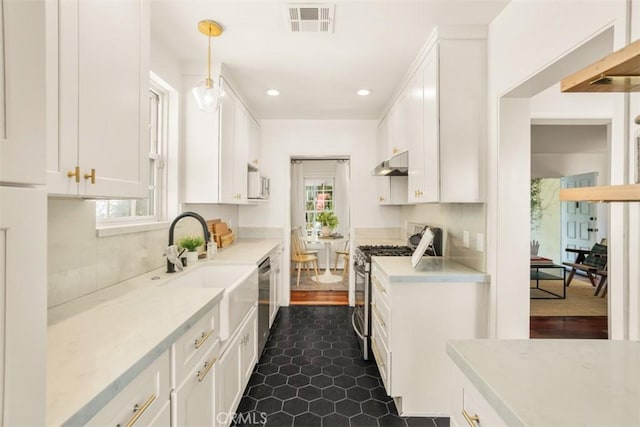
(240, 283)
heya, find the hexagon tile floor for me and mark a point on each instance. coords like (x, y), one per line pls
(311, 373)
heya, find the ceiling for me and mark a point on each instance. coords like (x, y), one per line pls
(373, 45)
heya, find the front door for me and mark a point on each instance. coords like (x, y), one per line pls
(579, 220)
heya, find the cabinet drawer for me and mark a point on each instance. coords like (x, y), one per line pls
(382, 355)
(195, 342)
(380, 284)
(142, 400)
(474, 410)
(381, 315)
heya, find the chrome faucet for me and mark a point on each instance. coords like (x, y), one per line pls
(170, 267)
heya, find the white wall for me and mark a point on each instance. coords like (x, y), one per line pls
(454, 218)
(284, 139)
(527, 44)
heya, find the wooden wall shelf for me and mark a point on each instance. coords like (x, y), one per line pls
(607, 193)
(617, 72)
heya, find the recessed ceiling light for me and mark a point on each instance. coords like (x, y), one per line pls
(273, 92)
(363, 92)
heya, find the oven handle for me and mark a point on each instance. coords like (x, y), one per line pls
(353, 322)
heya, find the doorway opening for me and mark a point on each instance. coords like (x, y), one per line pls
(320, 224)
(566, 155)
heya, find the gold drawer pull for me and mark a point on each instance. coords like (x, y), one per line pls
(205, 336)
(205, 370)
(91, 176)
(139, 410)
(75, 173)
(471, 419)
(378, 285)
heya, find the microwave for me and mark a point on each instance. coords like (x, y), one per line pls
(257, 186)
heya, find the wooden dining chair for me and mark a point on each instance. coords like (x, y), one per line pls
(299, 258)
(345, 254)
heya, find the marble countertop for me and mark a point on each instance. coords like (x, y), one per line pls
(246, 251)
(555, 382)
(99, 343)
(430, 269)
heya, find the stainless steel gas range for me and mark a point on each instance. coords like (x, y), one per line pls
(361, 318)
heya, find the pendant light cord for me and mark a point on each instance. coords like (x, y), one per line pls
(209, 82)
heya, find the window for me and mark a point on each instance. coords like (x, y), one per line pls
(149, 208)
(318, 198)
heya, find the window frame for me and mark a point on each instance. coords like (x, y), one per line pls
(117, 225)
(315, 211)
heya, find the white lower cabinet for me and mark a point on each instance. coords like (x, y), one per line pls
(144, 401)
(195, 397)
(411, 323)
(274, 286)
(235, 367)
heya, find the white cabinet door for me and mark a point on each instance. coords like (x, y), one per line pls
(241, 152)
(101, 79)
(229, 384)
(227, 153)
(196, 395)
(431, 130)
(23, 302)
(416, 146)
(249, 351)
(274, 300)
(255, 143)
(22, 91)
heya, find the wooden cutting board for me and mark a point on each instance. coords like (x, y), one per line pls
(220, 229)
(226, 239)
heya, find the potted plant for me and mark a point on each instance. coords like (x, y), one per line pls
(191, 244)
(328, 220)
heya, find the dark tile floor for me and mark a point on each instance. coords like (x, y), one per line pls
(311, 373)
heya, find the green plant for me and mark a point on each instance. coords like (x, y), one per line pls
(328, 219)
(191, 243)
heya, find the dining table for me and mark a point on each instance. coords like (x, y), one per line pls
(327, 276)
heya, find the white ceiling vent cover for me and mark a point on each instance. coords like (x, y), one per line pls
(310, 18)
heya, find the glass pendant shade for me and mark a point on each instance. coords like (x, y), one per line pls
(207, 93)
(207, 96)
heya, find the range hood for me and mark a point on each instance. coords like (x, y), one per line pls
(397, 165)
(617, 72)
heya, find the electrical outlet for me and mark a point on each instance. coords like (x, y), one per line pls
(465, 238)
(480, 242)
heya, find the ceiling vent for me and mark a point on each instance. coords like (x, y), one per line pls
(310, 18)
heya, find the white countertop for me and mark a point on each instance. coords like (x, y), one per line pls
(246, 251)
(555, 382)
(430, 269)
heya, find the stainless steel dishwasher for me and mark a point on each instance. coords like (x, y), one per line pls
(264, 277)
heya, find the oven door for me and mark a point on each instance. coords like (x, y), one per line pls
(360, 318)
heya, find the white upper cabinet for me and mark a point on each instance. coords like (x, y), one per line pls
(440, 114)
(397, 139)
(220, 149)
(98, 100)
(234, 148)
(22, 91)
(462, 113)
(255, 143)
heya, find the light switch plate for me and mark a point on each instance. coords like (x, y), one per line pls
(480, 242)
(465, 238)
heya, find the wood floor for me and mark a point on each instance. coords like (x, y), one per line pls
(319, 297)
(582, 327)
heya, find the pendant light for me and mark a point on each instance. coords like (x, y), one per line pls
(207, 92)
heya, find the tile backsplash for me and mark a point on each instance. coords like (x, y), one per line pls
(79, 262)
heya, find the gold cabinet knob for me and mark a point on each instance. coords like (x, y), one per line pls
(75, 173)
(91, 176)
(381, 199)
(395, 150)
